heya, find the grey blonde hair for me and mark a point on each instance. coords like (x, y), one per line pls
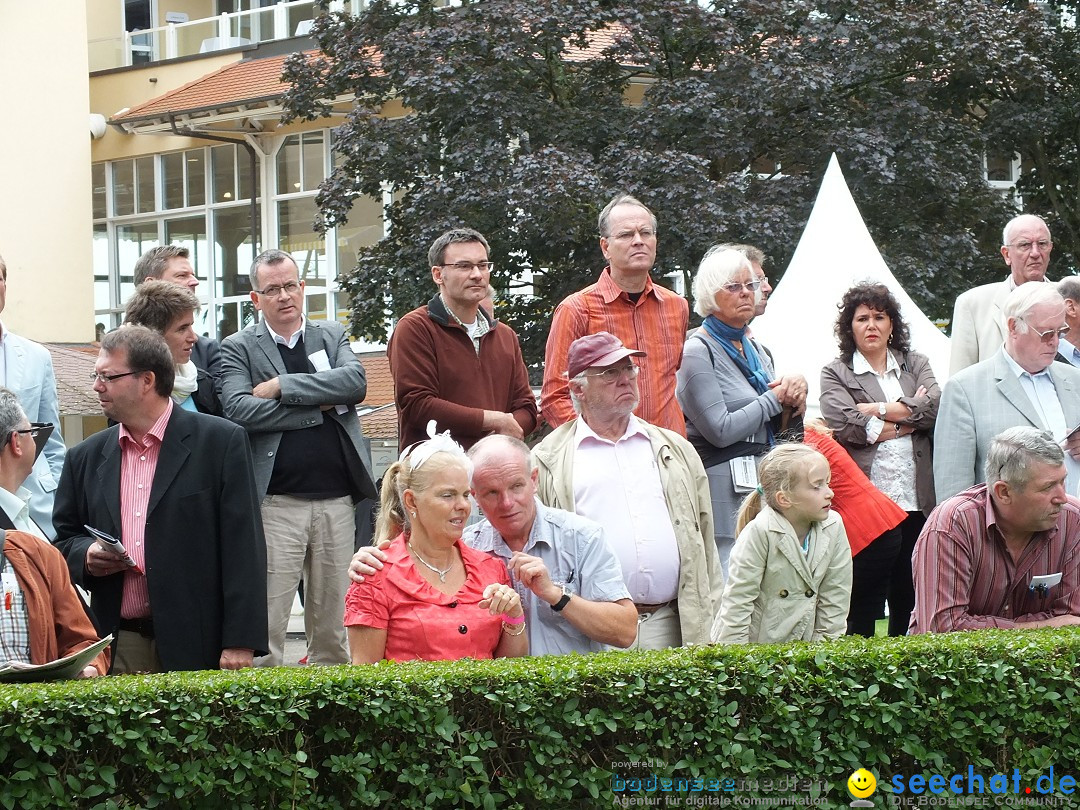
(718, 267)
(1012, 452)
(393, 518)
(778, 472)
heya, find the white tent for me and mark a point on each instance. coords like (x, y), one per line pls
(834, 253)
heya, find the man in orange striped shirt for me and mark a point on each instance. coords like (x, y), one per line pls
(626, 303)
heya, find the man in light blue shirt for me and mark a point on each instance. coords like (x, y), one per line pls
(568, 577)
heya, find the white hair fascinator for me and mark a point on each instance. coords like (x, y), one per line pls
(436, 443)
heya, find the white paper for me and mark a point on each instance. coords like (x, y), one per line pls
(744, 473)
(61, 669)
(321, 362)
(1045, 581)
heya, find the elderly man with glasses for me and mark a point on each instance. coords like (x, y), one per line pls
(453, 361)
(977, 326)
(1020, 385)
(645, 485)
(294, 384)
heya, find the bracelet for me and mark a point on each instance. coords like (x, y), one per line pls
(506, 629)
(508, 619)
(897, 426)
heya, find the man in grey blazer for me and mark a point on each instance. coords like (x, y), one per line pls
(977, 325)
(1020, 385)
(293, 384)
(26, 369)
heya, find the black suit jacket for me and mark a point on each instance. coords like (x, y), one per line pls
(206, 354)
(205, 552)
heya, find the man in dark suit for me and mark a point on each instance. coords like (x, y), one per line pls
(170, 263)
(293, 384)
(178, 489)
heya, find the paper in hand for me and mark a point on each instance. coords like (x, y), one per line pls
(321, 362)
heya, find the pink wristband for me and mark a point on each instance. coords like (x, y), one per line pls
(508, 620)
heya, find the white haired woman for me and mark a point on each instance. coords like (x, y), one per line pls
(435, 598)
(734, 404)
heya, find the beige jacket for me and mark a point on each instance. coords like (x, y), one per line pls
(774, 593)
(686, 490)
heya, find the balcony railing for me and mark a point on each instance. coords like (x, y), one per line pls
(210, 34)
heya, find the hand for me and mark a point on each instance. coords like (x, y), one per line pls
(367, 561)
(533, 574)
(920, 391)
(791, 390)
(504, 423)
(102, 563)
(499, 599)
(867, 408)
(89, 672)
(236, 658)
(1072, 445)
(271, 389)
(1066, 620)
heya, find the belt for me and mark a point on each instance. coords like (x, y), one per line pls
(643, 609)
(144, 627)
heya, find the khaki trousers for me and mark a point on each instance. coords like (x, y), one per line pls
(315, 539)
(658, 631)
(135, 654)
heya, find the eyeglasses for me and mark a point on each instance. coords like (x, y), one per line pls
(1050, 335)
(615, 373)
(467, 267)
(626, 236)
(1025, 247)
(275, 291)
(33, 430)
(98, 377)
(735, 287)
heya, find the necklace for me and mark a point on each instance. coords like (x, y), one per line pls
(442, 572)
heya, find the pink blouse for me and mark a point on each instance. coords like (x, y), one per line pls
(421, 622)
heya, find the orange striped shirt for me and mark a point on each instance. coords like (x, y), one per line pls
(656, 324)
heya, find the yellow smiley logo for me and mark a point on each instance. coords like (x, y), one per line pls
(861, 783)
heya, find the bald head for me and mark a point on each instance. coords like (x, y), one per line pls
(1026, 246)
(504, 485)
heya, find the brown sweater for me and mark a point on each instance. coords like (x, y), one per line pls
(438, 375)
(59, 625)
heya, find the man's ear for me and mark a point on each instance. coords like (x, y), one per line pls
(1003, 492)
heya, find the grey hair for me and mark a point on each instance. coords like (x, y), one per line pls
(11, 413)
(603, 222)
(268, 257)
(1069, 287)
(718, 267)
(1012, 452)
(480, 450)
(583, 380)
(437, 252)
(755, 254)
(1025, 298)
(155, 261)
(1012, 223)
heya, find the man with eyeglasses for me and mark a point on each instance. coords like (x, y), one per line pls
(42, 617)
(1020, 385)
(178, 490)
(26, 368)
(645, 485)
(977, 325)
(453, 361)
(1004, 554)
(625, 302)
(293, 384)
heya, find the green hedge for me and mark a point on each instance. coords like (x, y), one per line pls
(550, 732)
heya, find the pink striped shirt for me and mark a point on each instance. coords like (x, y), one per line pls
(138, 463)
(965, 578)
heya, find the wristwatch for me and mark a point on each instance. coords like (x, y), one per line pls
(563, 601)
(881, 408)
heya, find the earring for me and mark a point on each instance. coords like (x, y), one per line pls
(889, 341)
(412, 513)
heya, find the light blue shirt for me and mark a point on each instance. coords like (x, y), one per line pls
(1069, 352)
(575, 552)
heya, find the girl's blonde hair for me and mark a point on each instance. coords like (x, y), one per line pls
(778, 472)
(393, 518)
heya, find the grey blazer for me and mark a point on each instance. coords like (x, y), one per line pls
(842, 389)
(980, 402)
(251, 357)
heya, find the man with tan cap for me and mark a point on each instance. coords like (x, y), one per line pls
(645, 485)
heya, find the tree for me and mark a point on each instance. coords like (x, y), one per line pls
(522, 119)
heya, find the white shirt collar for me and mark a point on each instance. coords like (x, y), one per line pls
(860, 365)
(583, 431)
(291, 341)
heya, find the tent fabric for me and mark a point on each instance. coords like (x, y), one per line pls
(834, 253)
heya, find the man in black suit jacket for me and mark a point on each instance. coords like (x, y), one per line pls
(190, 519)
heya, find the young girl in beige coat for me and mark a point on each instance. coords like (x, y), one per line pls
(790, 570)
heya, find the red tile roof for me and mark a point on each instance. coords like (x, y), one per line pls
(383, 423)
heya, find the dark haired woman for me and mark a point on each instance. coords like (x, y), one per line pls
(881, 399)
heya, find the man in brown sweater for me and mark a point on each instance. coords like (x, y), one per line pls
(452, 362)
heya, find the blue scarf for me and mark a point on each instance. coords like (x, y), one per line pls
(750, 365)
